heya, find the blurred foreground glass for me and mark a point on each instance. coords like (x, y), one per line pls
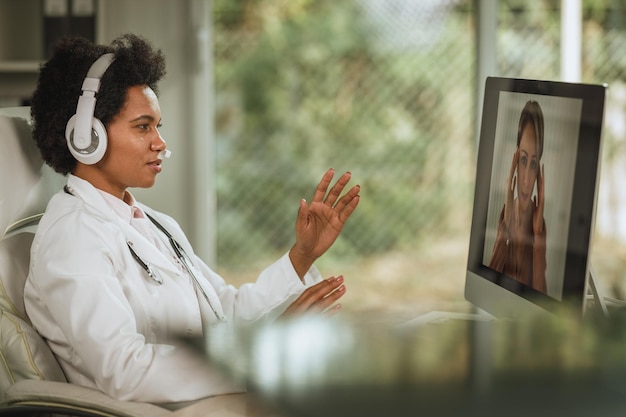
(336, 367)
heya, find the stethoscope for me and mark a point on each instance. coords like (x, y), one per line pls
(180, 253)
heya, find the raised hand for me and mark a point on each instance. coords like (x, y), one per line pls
(539, 204)
(319, 223)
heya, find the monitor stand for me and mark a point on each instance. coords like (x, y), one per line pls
(436, 317)
(597, 294)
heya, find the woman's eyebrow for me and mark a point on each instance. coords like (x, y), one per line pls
(143, 117)
(533, 156)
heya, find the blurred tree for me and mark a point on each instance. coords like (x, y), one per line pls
(315, 84)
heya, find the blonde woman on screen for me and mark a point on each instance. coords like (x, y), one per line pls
(520, 247)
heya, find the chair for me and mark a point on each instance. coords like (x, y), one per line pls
(31, 381)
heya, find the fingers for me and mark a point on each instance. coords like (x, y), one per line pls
(348, 208)
(540, 187)
(335, 191)
(513, 167)
(323, 294)
(322, 187)
(348, 198)
(303, 213)
(319, 297)
(537, 216)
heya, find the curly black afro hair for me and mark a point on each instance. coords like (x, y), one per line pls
(60, 85)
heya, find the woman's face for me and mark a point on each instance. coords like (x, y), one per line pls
(527, 166)
(134, 142)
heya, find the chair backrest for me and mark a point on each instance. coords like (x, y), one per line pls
(26, 185)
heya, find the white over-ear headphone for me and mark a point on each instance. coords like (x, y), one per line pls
(86, 135)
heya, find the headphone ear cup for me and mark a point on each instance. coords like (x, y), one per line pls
(87, 153)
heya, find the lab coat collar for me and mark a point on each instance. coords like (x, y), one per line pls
(89, 194)
(125, 209)
(145, 249)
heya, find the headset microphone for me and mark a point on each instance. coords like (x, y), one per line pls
(165, 153)
(86, 135)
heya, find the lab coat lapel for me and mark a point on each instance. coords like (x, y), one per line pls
(146, 250)
(141, 245)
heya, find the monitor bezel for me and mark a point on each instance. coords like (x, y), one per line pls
(582, 218)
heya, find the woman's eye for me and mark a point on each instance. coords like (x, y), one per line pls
(148, 126)
(524, 160)
(533, 164)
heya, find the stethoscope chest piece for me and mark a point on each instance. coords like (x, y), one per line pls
(152, 273)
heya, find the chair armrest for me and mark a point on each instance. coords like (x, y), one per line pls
(62, 395)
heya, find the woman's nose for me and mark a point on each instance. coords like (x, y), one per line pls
(524, 177)
(158, 143)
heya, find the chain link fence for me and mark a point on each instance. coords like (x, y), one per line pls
(384, 89)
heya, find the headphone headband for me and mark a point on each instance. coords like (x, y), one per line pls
(86, 136)
(100, 66)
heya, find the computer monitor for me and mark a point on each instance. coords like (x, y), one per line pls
(534, 134)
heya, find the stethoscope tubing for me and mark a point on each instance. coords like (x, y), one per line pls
(180, 253)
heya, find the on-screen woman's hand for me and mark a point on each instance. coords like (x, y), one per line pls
(510, 190)
(320, 297)
(539, 204)
(319, 223)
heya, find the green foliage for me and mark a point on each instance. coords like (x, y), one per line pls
(309, 87)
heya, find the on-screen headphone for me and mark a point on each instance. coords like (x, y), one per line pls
(86, 135)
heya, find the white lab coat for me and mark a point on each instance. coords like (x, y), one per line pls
(112, 327)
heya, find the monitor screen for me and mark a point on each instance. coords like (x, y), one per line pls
(535, 193)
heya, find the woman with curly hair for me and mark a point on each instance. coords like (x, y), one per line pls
(113, 283)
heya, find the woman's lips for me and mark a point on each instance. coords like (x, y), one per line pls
(155, 165)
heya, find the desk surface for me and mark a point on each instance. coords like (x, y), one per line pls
(233, 405)
(346, 366)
